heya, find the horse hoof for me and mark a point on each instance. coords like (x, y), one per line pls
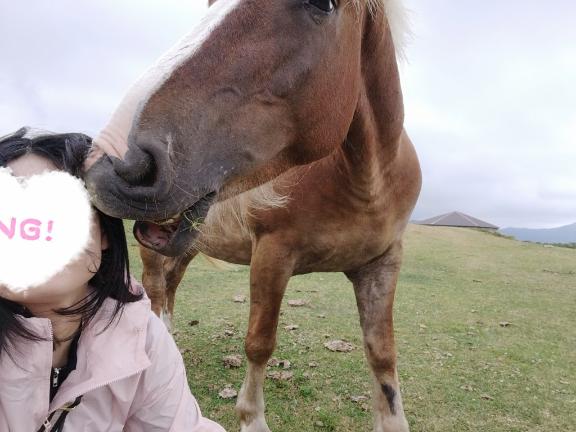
(393, 424)
(257, 425)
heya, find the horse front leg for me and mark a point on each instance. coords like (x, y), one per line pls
(174, 270)
(374, 286)
(270, 271)
(153, 278)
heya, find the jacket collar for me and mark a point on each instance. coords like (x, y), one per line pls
(105, 355)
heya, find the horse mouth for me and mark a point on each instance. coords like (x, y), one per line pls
(174, 235)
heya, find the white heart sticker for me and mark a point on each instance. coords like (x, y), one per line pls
(44, 225)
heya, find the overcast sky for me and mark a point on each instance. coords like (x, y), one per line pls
(490, 90)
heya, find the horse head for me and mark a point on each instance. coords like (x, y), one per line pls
(258, 87)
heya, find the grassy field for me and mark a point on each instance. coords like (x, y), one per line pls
(485, 328)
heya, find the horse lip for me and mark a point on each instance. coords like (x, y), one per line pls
(169, 221)
(200, 208)
(186, 230)
(189, 212)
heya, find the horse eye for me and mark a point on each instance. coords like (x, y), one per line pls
(323, 5)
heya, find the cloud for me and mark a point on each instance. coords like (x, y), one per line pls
(490, 108)
(66, 65)
(488, 88)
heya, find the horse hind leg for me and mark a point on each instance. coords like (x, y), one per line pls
(374, 287)
(270, 271)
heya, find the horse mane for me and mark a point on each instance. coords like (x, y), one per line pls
(397, 16)
(239, 209)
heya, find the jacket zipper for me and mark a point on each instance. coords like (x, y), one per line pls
(47, 422)
(56, 377)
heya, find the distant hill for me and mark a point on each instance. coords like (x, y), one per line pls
(563, 234)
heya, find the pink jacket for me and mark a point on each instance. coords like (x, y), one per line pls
(132, 377)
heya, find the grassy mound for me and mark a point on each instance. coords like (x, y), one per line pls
(485, 326)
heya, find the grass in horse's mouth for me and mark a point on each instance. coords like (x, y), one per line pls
(158, 234)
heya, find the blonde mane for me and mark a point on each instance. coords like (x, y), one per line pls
(397, 16)
(235, 213)
(242, 206)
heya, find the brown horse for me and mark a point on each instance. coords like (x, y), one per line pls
(302, 97)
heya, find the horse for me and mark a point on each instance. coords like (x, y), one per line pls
(273, 135)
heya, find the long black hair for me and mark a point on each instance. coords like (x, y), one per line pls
(68, 152)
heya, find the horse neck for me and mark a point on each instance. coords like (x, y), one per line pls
(375, 133)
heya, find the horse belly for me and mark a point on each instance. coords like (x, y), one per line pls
(343, 249)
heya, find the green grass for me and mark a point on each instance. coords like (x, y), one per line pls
(460, 370)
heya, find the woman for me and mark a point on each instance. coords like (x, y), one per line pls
(82, 351)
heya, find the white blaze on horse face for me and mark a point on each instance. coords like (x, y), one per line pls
(113, 139)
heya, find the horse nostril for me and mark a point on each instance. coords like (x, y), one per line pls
(137, 168)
